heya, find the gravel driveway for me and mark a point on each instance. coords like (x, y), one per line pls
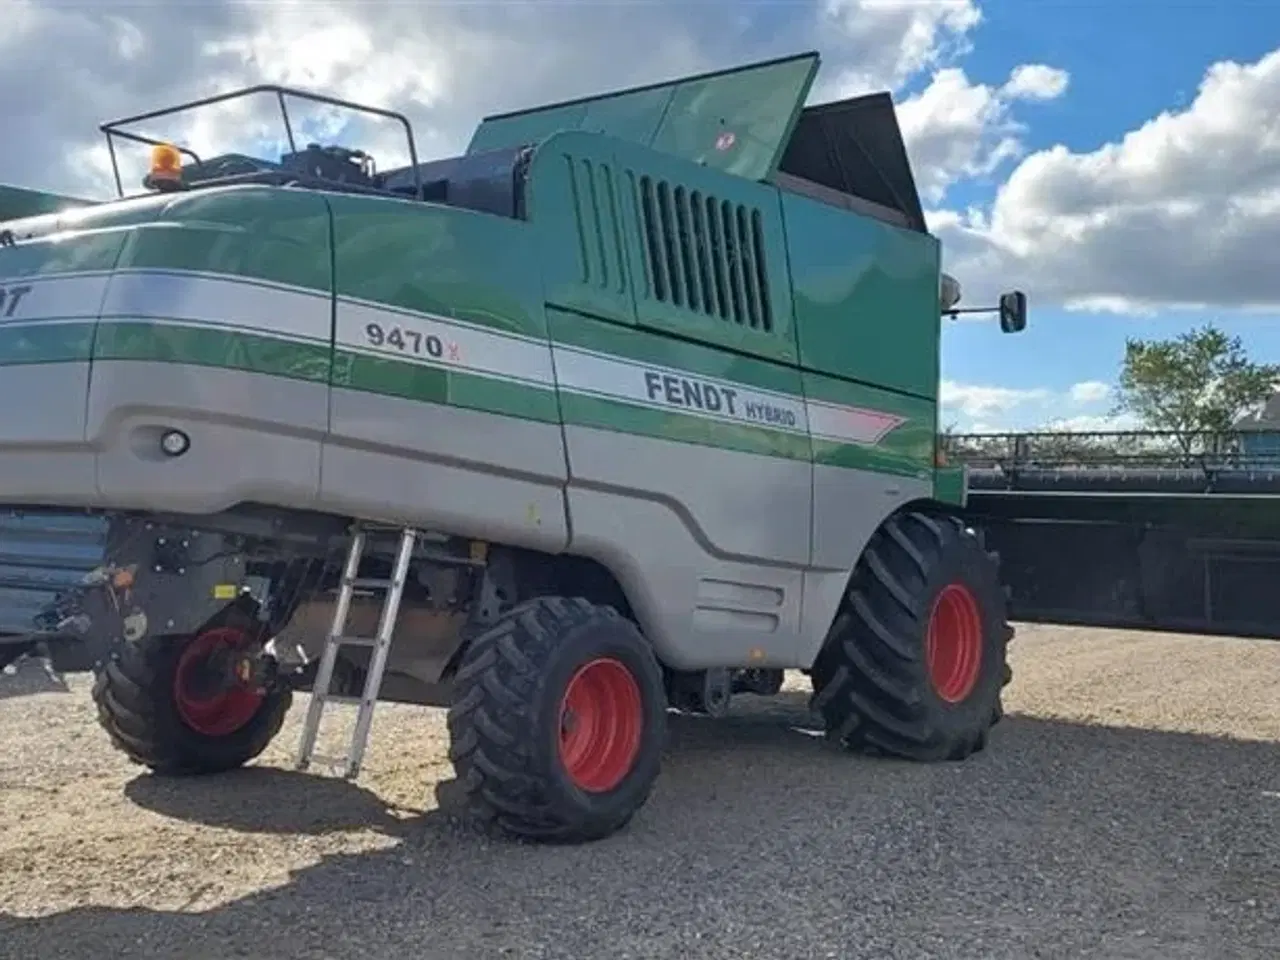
(1129, 807)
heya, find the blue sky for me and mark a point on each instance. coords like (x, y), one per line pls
(1128, 61)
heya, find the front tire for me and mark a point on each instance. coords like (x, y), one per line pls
(558, 721)
(915, 663)
(153, 712)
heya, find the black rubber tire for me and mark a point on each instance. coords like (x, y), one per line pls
(504, 721)
(133, 690)
(871, 683)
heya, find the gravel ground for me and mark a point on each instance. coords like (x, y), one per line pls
(1127, 809)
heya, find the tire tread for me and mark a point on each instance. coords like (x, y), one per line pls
(501, 677)
(132, 692)
(868, 679)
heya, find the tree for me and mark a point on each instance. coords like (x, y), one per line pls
(1200, 381)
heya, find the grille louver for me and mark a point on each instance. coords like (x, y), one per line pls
(704, 254)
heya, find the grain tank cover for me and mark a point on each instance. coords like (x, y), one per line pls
(855, 148)
(737, 121)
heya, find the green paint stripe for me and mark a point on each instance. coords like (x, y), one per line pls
(283, 358)
(585, 411)
(22, 343)
(851, 456)
(252, 353)
(604, 339)
(907, 451)
(208, 347)
(435, 385)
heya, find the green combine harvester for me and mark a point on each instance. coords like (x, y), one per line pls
(631, 406)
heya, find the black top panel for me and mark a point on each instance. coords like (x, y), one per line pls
(490, 182)
(855, 147)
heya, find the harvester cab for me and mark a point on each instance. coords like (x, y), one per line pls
(631, 406)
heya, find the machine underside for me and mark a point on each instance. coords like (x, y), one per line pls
(277, 574)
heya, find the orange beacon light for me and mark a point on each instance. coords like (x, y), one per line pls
(166, 168)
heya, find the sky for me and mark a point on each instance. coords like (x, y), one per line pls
(1119, 161)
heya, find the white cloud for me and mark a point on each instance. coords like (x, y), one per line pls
(1035, 81)
(987, 408)
(886, 42)
(978, 400)
(956, 129)
(445, 70)
(1182, 212)
(1089, 391)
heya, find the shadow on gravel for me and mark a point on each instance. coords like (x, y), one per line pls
(1061, 841)
(267, 800)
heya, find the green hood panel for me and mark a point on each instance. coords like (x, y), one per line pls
(259, 233)
(18, 202)
(737, 121)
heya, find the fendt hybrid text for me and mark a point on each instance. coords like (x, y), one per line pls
(633, 406)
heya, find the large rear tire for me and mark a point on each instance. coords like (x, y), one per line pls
(157, 714)
(558, 721)
(915, 663)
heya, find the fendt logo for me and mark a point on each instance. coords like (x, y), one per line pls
(11, 298)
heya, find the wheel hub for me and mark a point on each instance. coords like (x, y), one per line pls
(208, 691)
(600, 724)
(953, 650)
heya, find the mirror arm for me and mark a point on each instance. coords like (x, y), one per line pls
(956, 311)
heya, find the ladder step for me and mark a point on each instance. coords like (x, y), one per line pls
(350, 641)
(369, 583)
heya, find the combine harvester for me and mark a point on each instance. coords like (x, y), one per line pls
(633, 405)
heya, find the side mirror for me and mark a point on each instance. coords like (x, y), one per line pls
(1013, 311)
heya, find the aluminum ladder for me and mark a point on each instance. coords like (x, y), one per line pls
(379, 644)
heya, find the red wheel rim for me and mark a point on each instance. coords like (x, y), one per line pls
(601, 719)
(953, 649)
(224, 712)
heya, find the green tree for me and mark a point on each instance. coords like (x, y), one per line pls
(1199, 381)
